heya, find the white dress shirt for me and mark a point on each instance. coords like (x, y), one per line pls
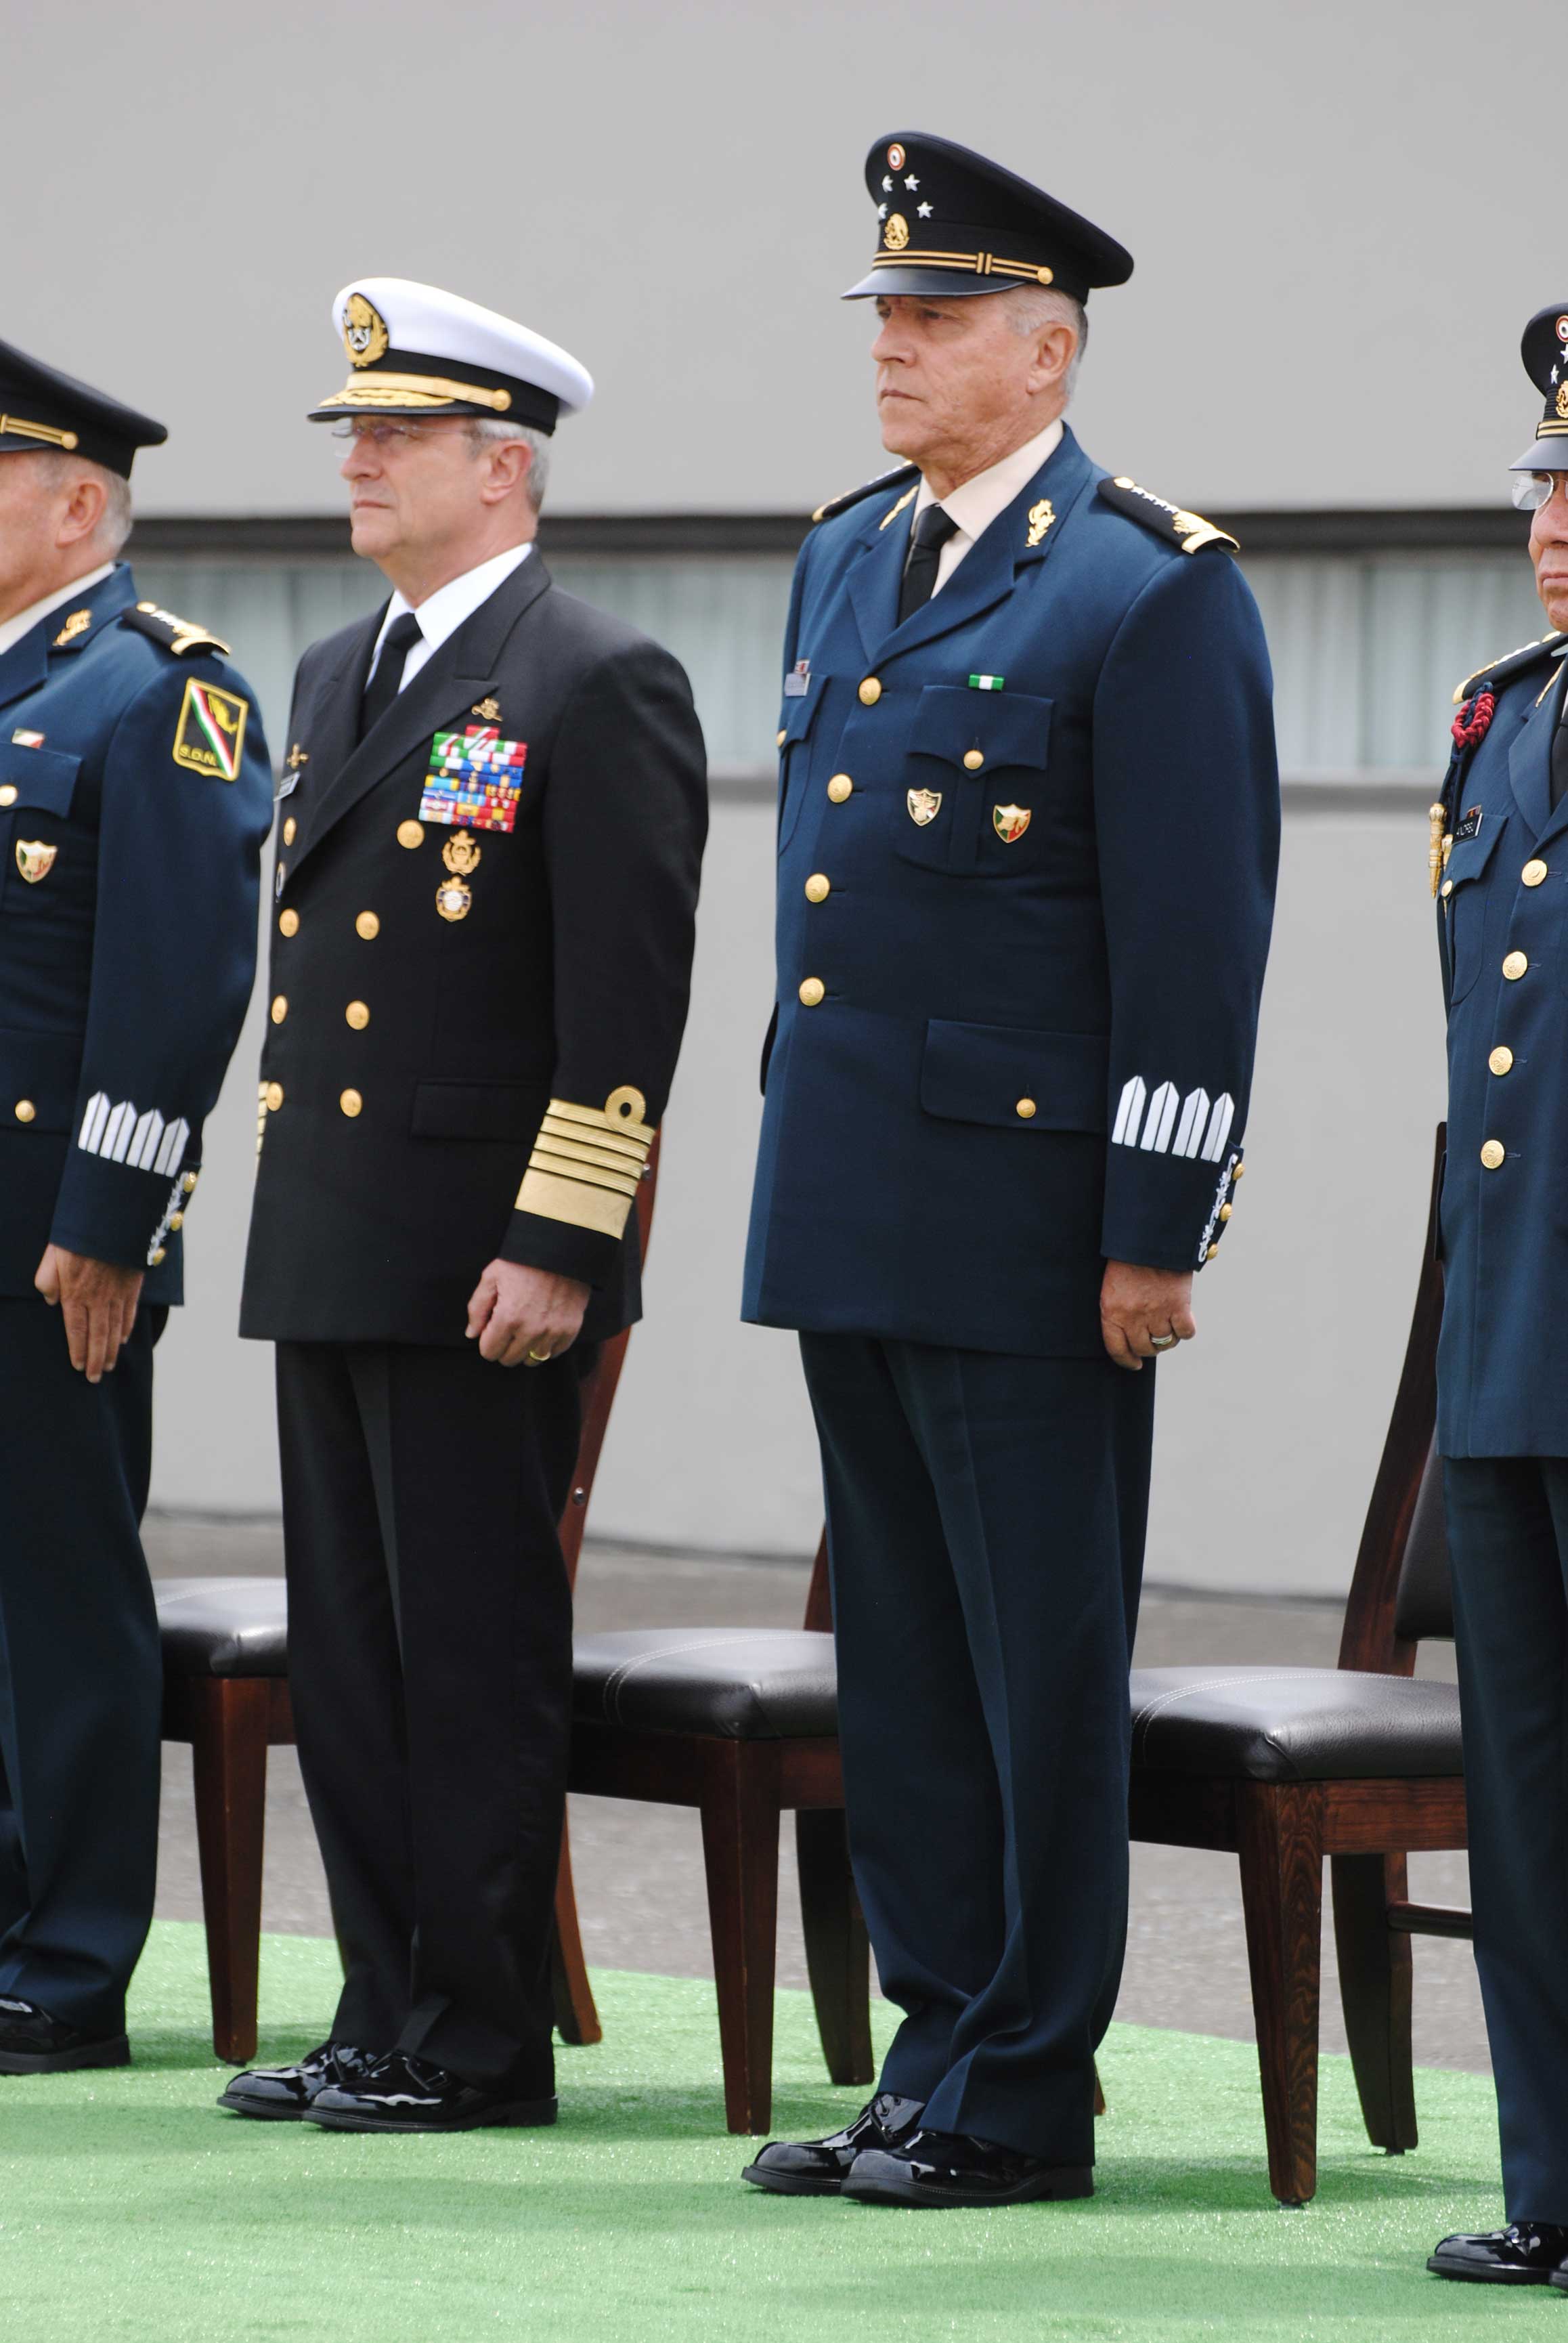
(443, 612)
(980, 501)
(12, 629)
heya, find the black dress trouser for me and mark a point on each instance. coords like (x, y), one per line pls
(81, 1680)
(430, 1624)
(1508, 1544)
(986, 1519)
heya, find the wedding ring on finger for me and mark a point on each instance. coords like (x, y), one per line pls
(1160, 1342)
(539, 1358)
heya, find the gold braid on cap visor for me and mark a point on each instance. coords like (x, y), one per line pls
(42, 431)
(416, 390)
(973, 264)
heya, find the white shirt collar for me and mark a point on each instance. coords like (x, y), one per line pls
(443, 612)
(12, 629)
(984, 498)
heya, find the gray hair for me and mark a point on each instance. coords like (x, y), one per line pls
(115, 524)
(1032, 306)
(483, 431)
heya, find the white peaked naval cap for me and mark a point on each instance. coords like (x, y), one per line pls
(415, 350)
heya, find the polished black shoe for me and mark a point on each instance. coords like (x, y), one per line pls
(1527, 2253)
(402, 2093)
(816, 2167)
(947, 2167)
(282, 2094)
(34, 2043)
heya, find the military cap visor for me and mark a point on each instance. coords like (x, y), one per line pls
(41, 408)
(1545, 350)
(951, 223)
(414, 349)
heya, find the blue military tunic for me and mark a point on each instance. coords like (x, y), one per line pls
(1027, 851)
(1502, 911)
(135, 796)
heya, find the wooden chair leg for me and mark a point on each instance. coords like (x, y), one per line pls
(577, 2019)
(1375, 1982)
(228, 1755)
(740, 1848)
(838, 1951)
(1281, 1839)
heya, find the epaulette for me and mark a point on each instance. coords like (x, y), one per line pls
(1189, 531)
(901, 473)
(1512, 663)
(181, 636)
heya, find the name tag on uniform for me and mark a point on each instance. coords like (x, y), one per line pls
(797, 682)
(475, 779)
(1470, 826)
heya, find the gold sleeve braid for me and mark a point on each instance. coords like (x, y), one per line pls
(587, 1162)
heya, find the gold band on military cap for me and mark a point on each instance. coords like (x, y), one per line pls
(973, 264)
(416, 389)
(44, 431)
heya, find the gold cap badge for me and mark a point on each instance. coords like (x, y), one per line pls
(365, 335)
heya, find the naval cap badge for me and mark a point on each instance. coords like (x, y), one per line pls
(365, 335)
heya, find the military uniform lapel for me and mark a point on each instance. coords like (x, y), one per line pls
(447, 678)
(1530, 763)
(24, 666)
(877, 571)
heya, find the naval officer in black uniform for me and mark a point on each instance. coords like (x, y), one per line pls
(134, 795)
(486, 881)
(1027, 830)
(1499, 871)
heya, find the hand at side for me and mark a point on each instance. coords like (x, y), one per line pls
(1136, 1305)
(97, 1300)
(521, 1316)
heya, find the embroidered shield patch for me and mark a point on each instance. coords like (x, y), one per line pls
(475, 779)
(34, 860)
(1010, 822)
(210, 733)
(924, 806)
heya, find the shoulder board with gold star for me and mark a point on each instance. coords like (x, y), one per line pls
(181, 636)
(902, 476)
(1189, 531)
(1512, 663)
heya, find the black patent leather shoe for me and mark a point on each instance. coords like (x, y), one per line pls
(816, 2167)
(947, 2167)
(282, 2094)
(403, 2093)
(1527, 2253)
(34, 2043)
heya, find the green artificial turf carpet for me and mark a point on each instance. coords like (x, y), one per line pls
(131, 2207)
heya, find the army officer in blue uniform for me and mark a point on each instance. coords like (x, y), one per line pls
(1028, 835)
(134, 798)
(1500, 870)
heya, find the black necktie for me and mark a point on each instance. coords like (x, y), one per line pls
(1560, 758)
(932, 532)
(383, 687)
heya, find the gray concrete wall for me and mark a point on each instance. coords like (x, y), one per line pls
(1341, 215)
(1269, 1426)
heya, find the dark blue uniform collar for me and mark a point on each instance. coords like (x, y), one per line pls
(26, 664)
(1011, 543)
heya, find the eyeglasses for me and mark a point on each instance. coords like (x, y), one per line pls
(1533, 489)
(385, 434)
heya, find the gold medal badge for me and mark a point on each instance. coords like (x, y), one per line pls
(1011, 821)
(924, 806)
(461, 854)
(34, 860)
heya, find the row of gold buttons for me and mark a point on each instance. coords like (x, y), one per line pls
(1494, 1155)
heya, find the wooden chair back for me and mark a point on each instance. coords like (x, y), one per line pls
(1399, 1592)
(599, 1393)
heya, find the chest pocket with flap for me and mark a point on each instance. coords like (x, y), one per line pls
(37, 789)
(1464, 903)
(982, 756)
(796, 717)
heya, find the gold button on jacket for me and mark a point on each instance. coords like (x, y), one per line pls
(25, 1110)
(352, 1103)
(358, 1015)
(839, 788)
(288, 923)
(290, 830)
(813, 992)
(368, 925)
(410, 833)
(1533, 871)
(870, 692)
(818, 887)
(8, 794)
(1028, 1108)
(1492, 1155)
(279, 1008)
(1501, 1059)
(1515, 966)
(973, 760)
(274, 1097)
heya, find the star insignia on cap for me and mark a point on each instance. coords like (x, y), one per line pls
(886, 187)
(924, 210)
(882, 214)
(911, 183)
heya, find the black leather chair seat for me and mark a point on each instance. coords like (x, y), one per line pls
(1293, 1724)
(223, 1626)
(754, 1684)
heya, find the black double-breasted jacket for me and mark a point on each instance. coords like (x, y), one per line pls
(482, 938)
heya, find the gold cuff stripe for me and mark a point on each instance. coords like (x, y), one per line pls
(975, 264)
(623, 1126)
(44, 431)
(607, 1143)
(592, 1175)
(566, 1141)
(579, 1206)
(417, 389)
